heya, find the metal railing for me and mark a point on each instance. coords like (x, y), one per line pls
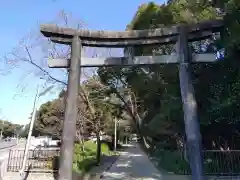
(220, 163)
(39, 159)
(216, 162)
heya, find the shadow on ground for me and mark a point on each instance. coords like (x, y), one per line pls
(132, 164)
(25, 176)
(94, 173)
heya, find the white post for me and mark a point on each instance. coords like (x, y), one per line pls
(38, 94)
(115, 134)
(3, 122)
(29, 133)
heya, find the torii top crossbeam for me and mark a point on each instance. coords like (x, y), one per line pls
(130, 38)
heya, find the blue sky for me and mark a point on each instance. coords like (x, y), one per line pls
(19, 18)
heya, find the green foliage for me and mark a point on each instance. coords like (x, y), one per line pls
(49, 118)
(83, 161)
(155, 107)
(156, 88)
(9, 129)
(24, 131)
(162, 85)
(95, 112)
(172, 161)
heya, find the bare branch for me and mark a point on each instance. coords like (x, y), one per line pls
(32, 51)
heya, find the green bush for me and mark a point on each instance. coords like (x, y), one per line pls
(172, 161)
(83, 161)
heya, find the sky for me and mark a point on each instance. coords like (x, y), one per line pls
(20, 19)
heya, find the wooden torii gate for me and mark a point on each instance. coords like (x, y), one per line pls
(179, 34)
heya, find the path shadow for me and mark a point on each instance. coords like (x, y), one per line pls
(133, 165)
(27, 172)
(55, 166)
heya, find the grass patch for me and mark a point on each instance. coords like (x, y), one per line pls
(84, 161)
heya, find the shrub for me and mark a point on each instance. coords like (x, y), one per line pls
(83, 161)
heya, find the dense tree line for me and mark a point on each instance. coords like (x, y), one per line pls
(50, 116)
(149, 97)
(147, 100)
(156, 88)
(9, 129)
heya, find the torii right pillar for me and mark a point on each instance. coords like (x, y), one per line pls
(192, 127)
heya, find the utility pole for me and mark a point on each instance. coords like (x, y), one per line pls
(29, 133)
(37, 96)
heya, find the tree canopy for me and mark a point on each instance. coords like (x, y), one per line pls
(149, 97)
(156, 88)
(9, 129)
(96, 112)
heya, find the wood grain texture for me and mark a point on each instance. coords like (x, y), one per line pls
(133, 42)
(191, 121)
(50, 30)
(126, 61)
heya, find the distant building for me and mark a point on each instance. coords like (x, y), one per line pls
(43, 141)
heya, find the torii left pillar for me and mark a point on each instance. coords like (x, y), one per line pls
(71, 111)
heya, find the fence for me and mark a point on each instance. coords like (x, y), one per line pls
(220, 162)
(216, 162)
(38, 160)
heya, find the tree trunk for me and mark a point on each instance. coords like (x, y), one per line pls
(145, 142)
(185, 151)
(98, 155)
(82, 143)
(81, 138)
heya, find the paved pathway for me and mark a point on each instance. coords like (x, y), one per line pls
(6, 144)
(132, 164)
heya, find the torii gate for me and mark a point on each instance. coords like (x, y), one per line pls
(180, 34)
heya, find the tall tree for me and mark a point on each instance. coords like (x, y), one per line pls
(8, 129)
(156, 88)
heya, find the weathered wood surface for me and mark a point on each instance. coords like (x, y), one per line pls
(54, 30)
(126, 61)
(71, 112)
(133, 42)
(192, 127)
